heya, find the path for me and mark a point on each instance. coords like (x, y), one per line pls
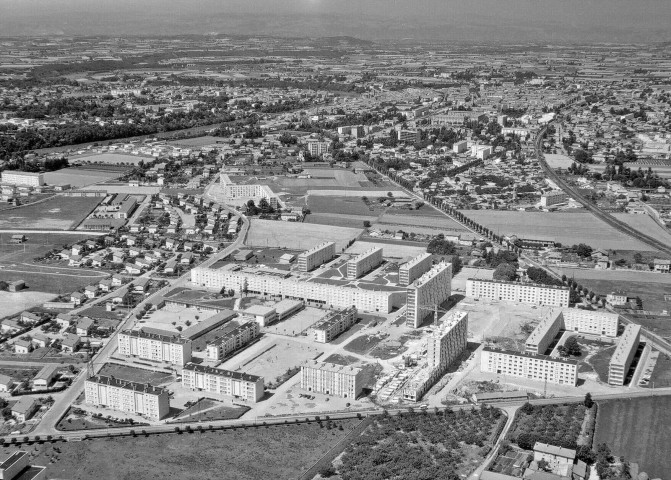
(510, 411)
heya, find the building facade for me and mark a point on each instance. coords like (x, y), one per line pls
(131, 397)
(29, 179)
(331, 379)
(316, 256)
(620, 362)
(553, 198)
(540, 368)
(333, 324)
(364, 263)
(234, 340)
(529, 293)
(237, 385)
(428, 291)
(415, 268)
(155, 347)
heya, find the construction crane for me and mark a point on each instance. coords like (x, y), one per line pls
(436, 310)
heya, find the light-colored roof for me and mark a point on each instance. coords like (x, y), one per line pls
(554, 450)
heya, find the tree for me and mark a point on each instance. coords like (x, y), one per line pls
(544, 465)
(505, 271)
(571, 347)
(366, 223)
(526, 441)
(588, 400)
(638, 258)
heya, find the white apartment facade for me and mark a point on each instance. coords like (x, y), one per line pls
(553, 198)
(431, 289)
(540, 368)
(232, 341)
(29, 179)
(620, 362)
(529, 293)
(234, 191)
(139, 398)
(331, 379)
(317, 148)
(364, 263)
(155, 347)
(237, 385)
(415, 268)
(333, 324)
(319, 294)
(316, 256)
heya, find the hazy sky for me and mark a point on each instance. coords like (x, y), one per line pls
(452, 20)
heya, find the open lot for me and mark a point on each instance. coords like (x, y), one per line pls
(297, 323)
(79, 177)
(273, 452)
(59, 213)
(556, 160)
(339, 220)
(419, 219)
(341, 205)
(268, 233)
(645, 224)
(565, 228)
(11, 303)
(639, 430)
(59, 281)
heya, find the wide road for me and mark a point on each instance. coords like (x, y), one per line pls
(595, 210)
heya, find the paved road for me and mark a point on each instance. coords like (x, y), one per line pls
(510, 411)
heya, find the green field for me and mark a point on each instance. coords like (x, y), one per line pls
(639, 430)
(342, 205)
(280, 452)
(59, 213)
(268, 233)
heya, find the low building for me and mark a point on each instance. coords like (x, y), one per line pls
(70, 343)
(24, 408)
(16, 286)
(22, 347)
(286, 308)
(263, 315)
(84, 326)
(237, 385)
(661, 265)
(556, 457)
(331, 379)
(6, 383)
(333, 324)
(45, 376)
(131, 397)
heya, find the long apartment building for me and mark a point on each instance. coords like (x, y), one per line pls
(540, 368)
(316, 256)
(331, 379)
(415, 268)
(131, 397)
(425, 293)
(234, 191)
(444, 347)
(237, 385)
(234, 340)
(156, 347)
(620, 362)
(333, 324)
(320, 294)
(571, 319)
(364, 263)
(530, 293)
(29, 179)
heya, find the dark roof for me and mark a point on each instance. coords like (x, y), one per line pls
(155, 335)
(222, 373)
(128, 385)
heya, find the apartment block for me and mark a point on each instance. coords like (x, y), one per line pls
(237, 385)
(540, 368)
(428, 291)
(317, 148)
(364, 263)
(156, 347)
(232, 190)
(543, 335)
(284, 286)
(620, 362)
(331, 379)
(415, 268)
(139, 398)
(228, 343)
(333, 324)
(530, 293)
(316, 256)
(553, 198)
(15, 177)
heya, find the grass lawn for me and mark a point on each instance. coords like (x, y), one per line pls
(18, 372)
(59, 213)
(341, 359)
(341, 205)
(208, 409)
(133, 374)
(661, 375)
(363, 344)
(600, 360)
(274, 452)
(639, 430)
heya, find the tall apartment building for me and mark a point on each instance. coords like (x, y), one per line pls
(237, 385)
(232, 190)
(320, 294)
(408, 136)
(316, 256)
(356, 131)
(15, 177)
(429, 290)
(234, 340)
(460, 147)
(333, 324)
(414, 268)
(571, 319)
(530, 366)
(449, 341)
(553, 198)
(529, 293)
(131, 397)
(331, 379)
(364, 263)
(317, 148)
(620, 362)
(154, 346)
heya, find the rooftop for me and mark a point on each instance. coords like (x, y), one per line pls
(554, 450)
(530, 355)
(222, 373)
(128, 385)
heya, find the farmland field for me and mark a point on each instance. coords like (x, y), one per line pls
(440, 222)
(60, 213)
(639, 430)
(79, 177)
(277, 452)
(11, 303)
(295, 235)
(645, 224)
(339, 220)
(566, 228)
(345, 205)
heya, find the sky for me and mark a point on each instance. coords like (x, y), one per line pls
(510, 21)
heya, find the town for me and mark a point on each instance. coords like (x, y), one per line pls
(356, 244)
